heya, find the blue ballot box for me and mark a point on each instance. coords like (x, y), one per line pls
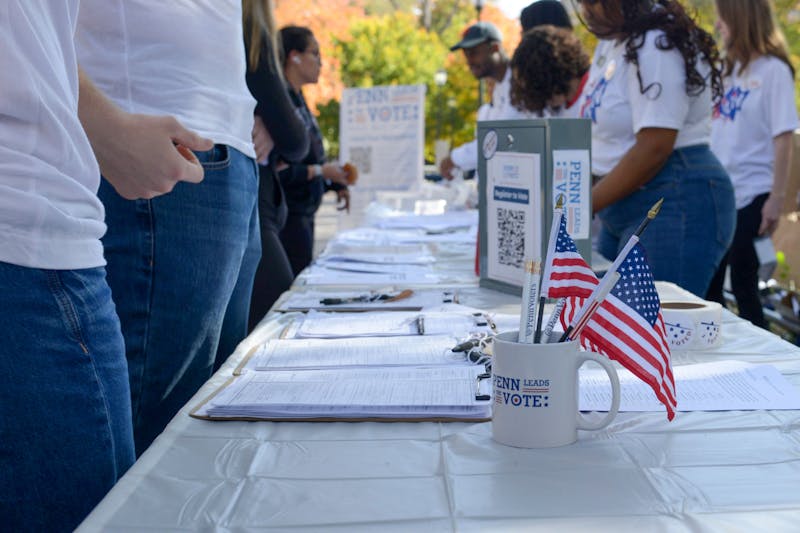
(523, 167)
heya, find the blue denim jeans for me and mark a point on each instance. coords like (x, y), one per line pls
(180, 266)
(687, 240)
(65, 415)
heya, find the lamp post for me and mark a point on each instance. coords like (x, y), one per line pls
(440, 79)
(478, 9)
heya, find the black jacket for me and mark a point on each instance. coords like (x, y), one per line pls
(283, 123)
(303, 196)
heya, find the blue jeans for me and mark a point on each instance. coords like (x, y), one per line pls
(687, 240)
(65, 412)
(179, 267)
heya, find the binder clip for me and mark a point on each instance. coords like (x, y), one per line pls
(478, 379)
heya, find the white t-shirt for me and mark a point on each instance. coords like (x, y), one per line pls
(614, 102)
(50, 216)
(758, 106)
(500, 108)
(172, 57)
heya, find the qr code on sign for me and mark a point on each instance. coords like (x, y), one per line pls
(361, 157)
(510, 237)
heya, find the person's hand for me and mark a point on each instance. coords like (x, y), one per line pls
(446, 168)
(335, 173)
(149, 155)
(262, 140)
(343, 199)
(770, 215)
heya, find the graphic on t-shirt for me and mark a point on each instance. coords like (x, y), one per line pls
(731, 103)
(594, 100)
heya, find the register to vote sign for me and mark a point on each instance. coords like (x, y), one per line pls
(513, 214)
(382, 132)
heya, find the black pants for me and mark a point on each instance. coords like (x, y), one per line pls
(744, 265)
(274, 274)
(273, 277)
(297, 237)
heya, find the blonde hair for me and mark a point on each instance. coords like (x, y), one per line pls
(753, 30)
(258, 22)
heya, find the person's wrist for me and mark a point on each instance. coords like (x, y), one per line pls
(315, 171)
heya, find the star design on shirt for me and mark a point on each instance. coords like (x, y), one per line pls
(731, 103)
(593, 101)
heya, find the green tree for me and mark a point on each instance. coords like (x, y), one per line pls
(388, 50)
(404, 42)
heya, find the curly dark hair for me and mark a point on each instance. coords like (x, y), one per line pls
(681, 32)
(545, 62)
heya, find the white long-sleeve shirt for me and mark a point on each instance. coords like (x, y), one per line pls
(466, 156)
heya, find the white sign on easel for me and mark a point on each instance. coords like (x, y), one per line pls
(382, 132)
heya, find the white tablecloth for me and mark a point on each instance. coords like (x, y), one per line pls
(705, 471)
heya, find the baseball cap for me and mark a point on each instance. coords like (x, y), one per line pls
(476, 34)
(545, 12)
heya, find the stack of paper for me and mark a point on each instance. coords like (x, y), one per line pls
(456, 392)
(444, 223)
(387, 324)
(387, 299)
(717, 386)
(405, 236)
(285, 354)
(401, 254)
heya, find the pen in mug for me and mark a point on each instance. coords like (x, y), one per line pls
(551, 323)
(530, 297)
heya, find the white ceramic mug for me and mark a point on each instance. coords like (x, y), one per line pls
(536, 392)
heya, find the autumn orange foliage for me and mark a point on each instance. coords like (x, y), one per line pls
(331, 19)
(328, 19)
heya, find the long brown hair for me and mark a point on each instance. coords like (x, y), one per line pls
(258, 22)
(630, 20)
(753, 31)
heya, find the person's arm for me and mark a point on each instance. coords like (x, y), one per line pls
(142, 156)
(343, 199)
(446, 168)
(262, 140)
(289, 134)
(771, 212)
(465, 156)
(295, 176)
(639, 165)
(781, 116)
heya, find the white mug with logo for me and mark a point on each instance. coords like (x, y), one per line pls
(536, 392)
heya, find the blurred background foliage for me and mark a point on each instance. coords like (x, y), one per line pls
(365, 43)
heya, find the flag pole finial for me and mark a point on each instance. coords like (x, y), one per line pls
(560, 201)
(655, 209)
(651, 214)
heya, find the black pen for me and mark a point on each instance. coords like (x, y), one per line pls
(421, 325)
(466, 345)
(338, 301)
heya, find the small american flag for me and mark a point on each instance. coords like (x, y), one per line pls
(566, 274)
(628, 326)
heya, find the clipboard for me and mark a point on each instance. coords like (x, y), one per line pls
(481, 392)
(357, 352)
(361, 301)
